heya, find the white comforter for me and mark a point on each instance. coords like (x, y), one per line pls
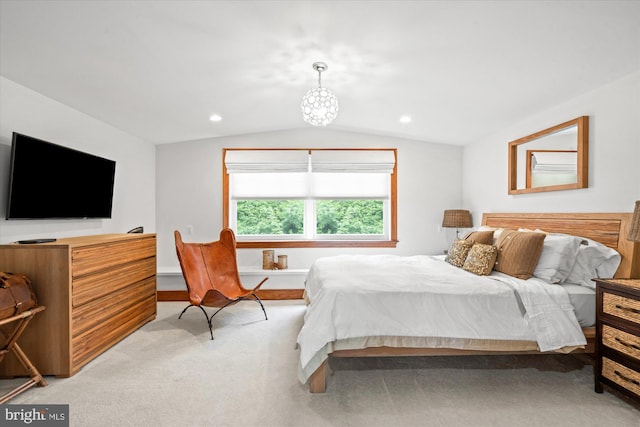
(355, 296)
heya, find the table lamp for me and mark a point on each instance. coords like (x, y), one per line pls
(457, 218)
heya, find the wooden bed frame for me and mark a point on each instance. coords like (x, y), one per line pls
(610, 229)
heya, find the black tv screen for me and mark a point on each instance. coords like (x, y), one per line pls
(52, 181)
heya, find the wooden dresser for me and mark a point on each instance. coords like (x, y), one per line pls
(96, 289)
(618, 336)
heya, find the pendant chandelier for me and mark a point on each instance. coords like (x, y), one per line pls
(319, 105)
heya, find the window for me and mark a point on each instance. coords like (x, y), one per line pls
(310, 197)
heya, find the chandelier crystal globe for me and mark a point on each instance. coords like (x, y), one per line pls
(319, 105)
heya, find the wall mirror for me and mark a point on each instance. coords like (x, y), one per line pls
(553, 159)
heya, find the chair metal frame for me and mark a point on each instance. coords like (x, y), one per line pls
(210, 318)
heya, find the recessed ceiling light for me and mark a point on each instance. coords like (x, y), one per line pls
(215, 117)
(405, 119)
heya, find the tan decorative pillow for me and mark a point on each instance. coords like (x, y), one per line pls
(484, 237)
(481, 259)
(496, 231)
(459, 251)
(518, 253)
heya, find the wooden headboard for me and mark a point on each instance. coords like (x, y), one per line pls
(610, 229)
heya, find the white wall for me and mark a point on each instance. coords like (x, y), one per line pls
(614, 157)
(25, 111)
(189, 185)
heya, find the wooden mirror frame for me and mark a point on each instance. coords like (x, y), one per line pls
(582, 124)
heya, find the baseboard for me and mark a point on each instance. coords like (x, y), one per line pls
(264, 294)
(172, 296)
(277, 294)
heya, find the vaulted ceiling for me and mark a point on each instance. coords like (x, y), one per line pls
(460, 69)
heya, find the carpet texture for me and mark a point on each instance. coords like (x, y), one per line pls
(169, 373)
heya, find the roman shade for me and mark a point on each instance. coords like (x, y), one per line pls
(350, 186)
(265, 161)
(554, 162)
(314, 174)
(352, 161)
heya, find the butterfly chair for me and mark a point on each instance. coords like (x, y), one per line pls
(210, 271)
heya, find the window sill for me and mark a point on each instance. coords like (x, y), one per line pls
(320, 244)
(242, 270)
(259, 271)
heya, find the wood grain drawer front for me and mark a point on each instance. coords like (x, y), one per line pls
(89, 259)
(99, 338)
(622, 341)
(625, 308)
(103, 283)
(96, 312)
(621, 375)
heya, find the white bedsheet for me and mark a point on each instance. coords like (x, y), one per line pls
(355, 296)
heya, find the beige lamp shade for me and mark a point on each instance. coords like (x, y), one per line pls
(634, 233)
(457, 218)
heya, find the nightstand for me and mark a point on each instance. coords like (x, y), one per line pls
(617, 363)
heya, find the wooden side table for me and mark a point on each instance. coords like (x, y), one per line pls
(617, 363)
(10, 330)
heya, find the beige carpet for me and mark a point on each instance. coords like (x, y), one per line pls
(170, 373)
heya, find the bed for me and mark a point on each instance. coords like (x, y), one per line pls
(476, 318)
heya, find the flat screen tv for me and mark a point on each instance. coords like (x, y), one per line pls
(51, 181)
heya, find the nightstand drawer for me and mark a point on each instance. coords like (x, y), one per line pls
(625, 308)
(623, 342)
(621, 375)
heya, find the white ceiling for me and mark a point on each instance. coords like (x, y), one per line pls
(461, 69)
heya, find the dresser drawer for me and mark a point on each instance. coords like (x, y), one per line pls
(621, 375)
(106, 282)
(89, 259)
(622, 341)
(98, 312)
(625, 308)
(100, 337)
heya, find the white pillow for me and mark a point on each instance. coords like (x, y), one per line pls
(559, 254)
(593, 260)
